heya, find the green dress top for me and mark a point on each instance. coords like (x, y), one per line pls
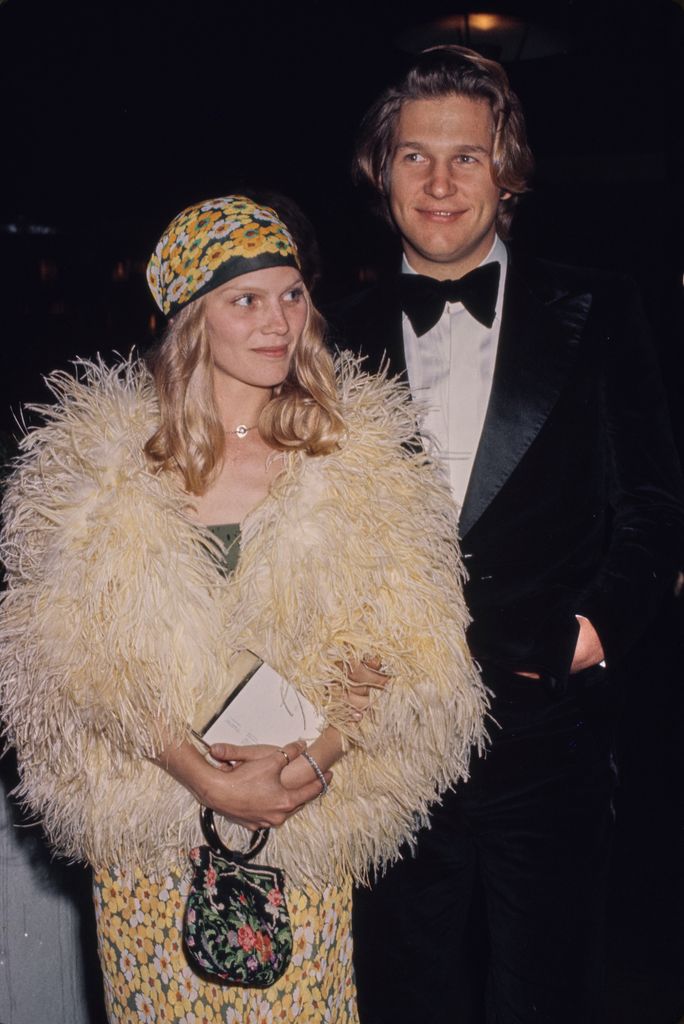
(229, 535)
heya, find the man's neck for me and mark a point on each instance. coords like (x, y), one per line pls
(447, 271)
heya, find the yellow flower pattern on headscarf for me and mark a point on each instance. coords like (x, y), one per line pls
(210, 243)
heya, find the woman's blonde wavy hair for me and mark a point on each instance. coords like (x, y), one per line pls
(303, 414)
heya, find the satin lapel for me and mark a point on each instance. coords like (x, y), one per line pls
(539, 338)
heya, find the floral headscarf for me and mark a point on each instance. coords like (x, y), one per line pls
(211, 243)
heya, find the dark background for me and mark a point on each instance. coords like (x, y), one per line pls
(115, 116)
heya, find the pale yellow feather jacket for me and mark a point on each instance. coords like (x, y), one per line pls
(117, 624)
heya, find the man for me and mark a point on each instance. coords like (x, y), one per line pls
(543, 396)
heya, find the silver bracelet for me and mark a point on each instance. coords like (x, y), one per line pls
(317, 769)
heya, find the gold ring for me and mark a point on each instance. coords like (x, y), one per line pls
(285, 754)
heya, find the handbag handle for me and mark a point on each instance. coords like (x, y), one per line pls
(257, 843)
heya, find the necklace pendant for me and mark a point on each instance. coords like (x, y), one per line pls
(241, 431)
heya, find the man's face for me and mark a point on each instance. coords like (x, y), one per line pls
(441, 193)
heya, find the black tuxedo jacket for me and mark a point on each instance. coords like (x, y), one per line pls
(574, 503)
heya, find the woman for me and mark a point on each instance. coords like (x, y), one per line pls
(119, 629)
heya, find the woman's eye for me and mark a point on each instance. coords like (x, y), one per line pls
(294, 294)
(244, 300)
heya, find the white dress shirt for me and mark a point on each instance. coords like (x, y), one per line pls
(450, 371)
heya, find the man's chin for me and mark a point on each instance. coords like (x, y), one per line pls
(437, 261)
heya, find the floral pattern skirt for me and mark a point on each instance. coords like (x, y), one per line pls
(147, 977)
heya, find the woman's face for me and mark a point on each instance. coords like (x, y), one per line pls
(254, 323)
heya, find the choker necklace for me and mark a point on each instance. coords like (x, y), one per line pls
(241, 431)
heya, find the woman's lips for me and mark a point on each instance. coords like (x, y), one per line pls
(272, 353)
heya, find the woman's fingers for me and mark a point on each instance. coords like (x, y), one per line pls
(240, 754)
(364, 676)
(297, 799)
(289, 751)
(372, 661)
(235, 753)
(363, 680)
(253, 794)
(309, 791)
(357, 700)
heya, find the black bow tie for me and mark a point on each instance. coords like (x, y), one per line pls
(423, 298)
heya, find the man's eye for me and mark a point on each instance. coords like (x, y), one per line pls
(465, 158)
(414, 158)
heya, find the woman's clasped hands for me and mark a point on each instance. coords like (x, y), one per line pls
(255, 787)
(278, 780)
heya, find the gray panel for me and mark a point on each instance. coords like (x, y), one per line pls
(48, 968)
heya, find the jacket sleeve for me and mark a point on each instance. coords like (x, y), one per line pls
(355, 556)
(646, 536)
(107, 603)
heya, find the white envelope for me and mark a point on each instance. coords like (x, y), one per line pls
(263, 708)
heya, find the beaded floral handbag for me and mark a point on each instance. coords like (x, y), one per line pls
(236, 926)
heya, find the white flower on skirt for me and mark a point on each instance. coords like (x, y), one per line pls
(145, 1009)
(127, 963)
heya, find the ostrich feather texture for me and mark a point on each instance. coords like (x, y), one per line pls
(117, 625)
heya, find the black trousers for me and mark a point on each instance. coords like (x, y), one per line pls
(519, 854)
